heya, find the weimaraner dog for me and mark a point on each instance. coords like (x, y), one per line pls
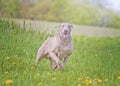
(58, 47)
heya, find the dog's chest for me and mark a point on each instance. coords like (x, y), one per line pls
(64, 50)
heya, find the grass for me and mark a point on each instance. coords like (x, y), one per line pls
(94, 62)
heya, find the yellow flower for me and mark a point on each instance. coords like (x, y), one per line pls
(40, 84)
(88, 81)
(53, 79)
(8, 82)
(98, 80)
(118, 78)
(7, 58)
(79, 85)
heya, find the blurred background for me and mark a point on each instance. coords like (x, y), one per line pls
(103, 13)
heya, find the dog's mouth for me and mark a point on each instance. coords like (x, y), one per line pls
(65, 33)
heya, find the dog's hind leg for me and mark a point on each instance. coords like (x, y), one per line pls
(40, 54)
(65, 60)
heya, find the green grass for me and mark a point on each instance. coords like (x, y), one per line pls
(94, 62)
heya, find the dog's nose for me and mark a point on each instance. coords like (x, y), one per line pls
(65, 31)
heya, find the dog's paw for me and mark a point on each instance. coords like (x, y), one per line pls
(55, 67)
(61, 67)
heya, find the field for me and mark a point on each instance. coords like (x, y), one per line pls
(94, 62)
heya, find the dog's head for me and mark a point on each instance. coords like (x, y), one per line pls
(65, 28)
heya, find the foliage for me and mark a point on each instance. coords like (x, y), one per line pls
(116, 21)
(61, 11)
(66, 11)
(9, 8)
(94, 62)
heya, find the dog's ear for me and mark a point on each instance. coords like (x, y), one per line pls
(57, 26)
(71, 26)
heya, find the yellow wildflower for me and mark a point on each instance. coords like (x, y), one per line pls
(8, 82)
(7, 58)
(118, 77)
(88, 81)
(40, 84)
(79, 85)
(53, 79)
(98, 80)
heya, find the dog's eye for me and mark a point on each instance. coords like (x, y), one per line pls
(69, 26)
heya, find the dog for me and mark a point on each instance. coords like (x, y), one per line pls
(57, 47)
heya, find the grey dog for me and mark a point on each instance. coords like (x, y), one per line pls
(57, 47)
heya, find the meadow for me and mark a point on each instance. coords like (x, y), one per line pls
(94, 62)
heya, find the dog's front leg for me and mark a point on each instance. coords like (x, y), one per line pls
(65, 60)
(56, 59)
(53, 64)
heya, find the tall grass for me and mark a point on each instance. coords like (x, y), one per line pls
(94, 62)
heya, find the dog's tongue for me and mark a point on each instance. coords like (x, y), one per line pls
(65, 35)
